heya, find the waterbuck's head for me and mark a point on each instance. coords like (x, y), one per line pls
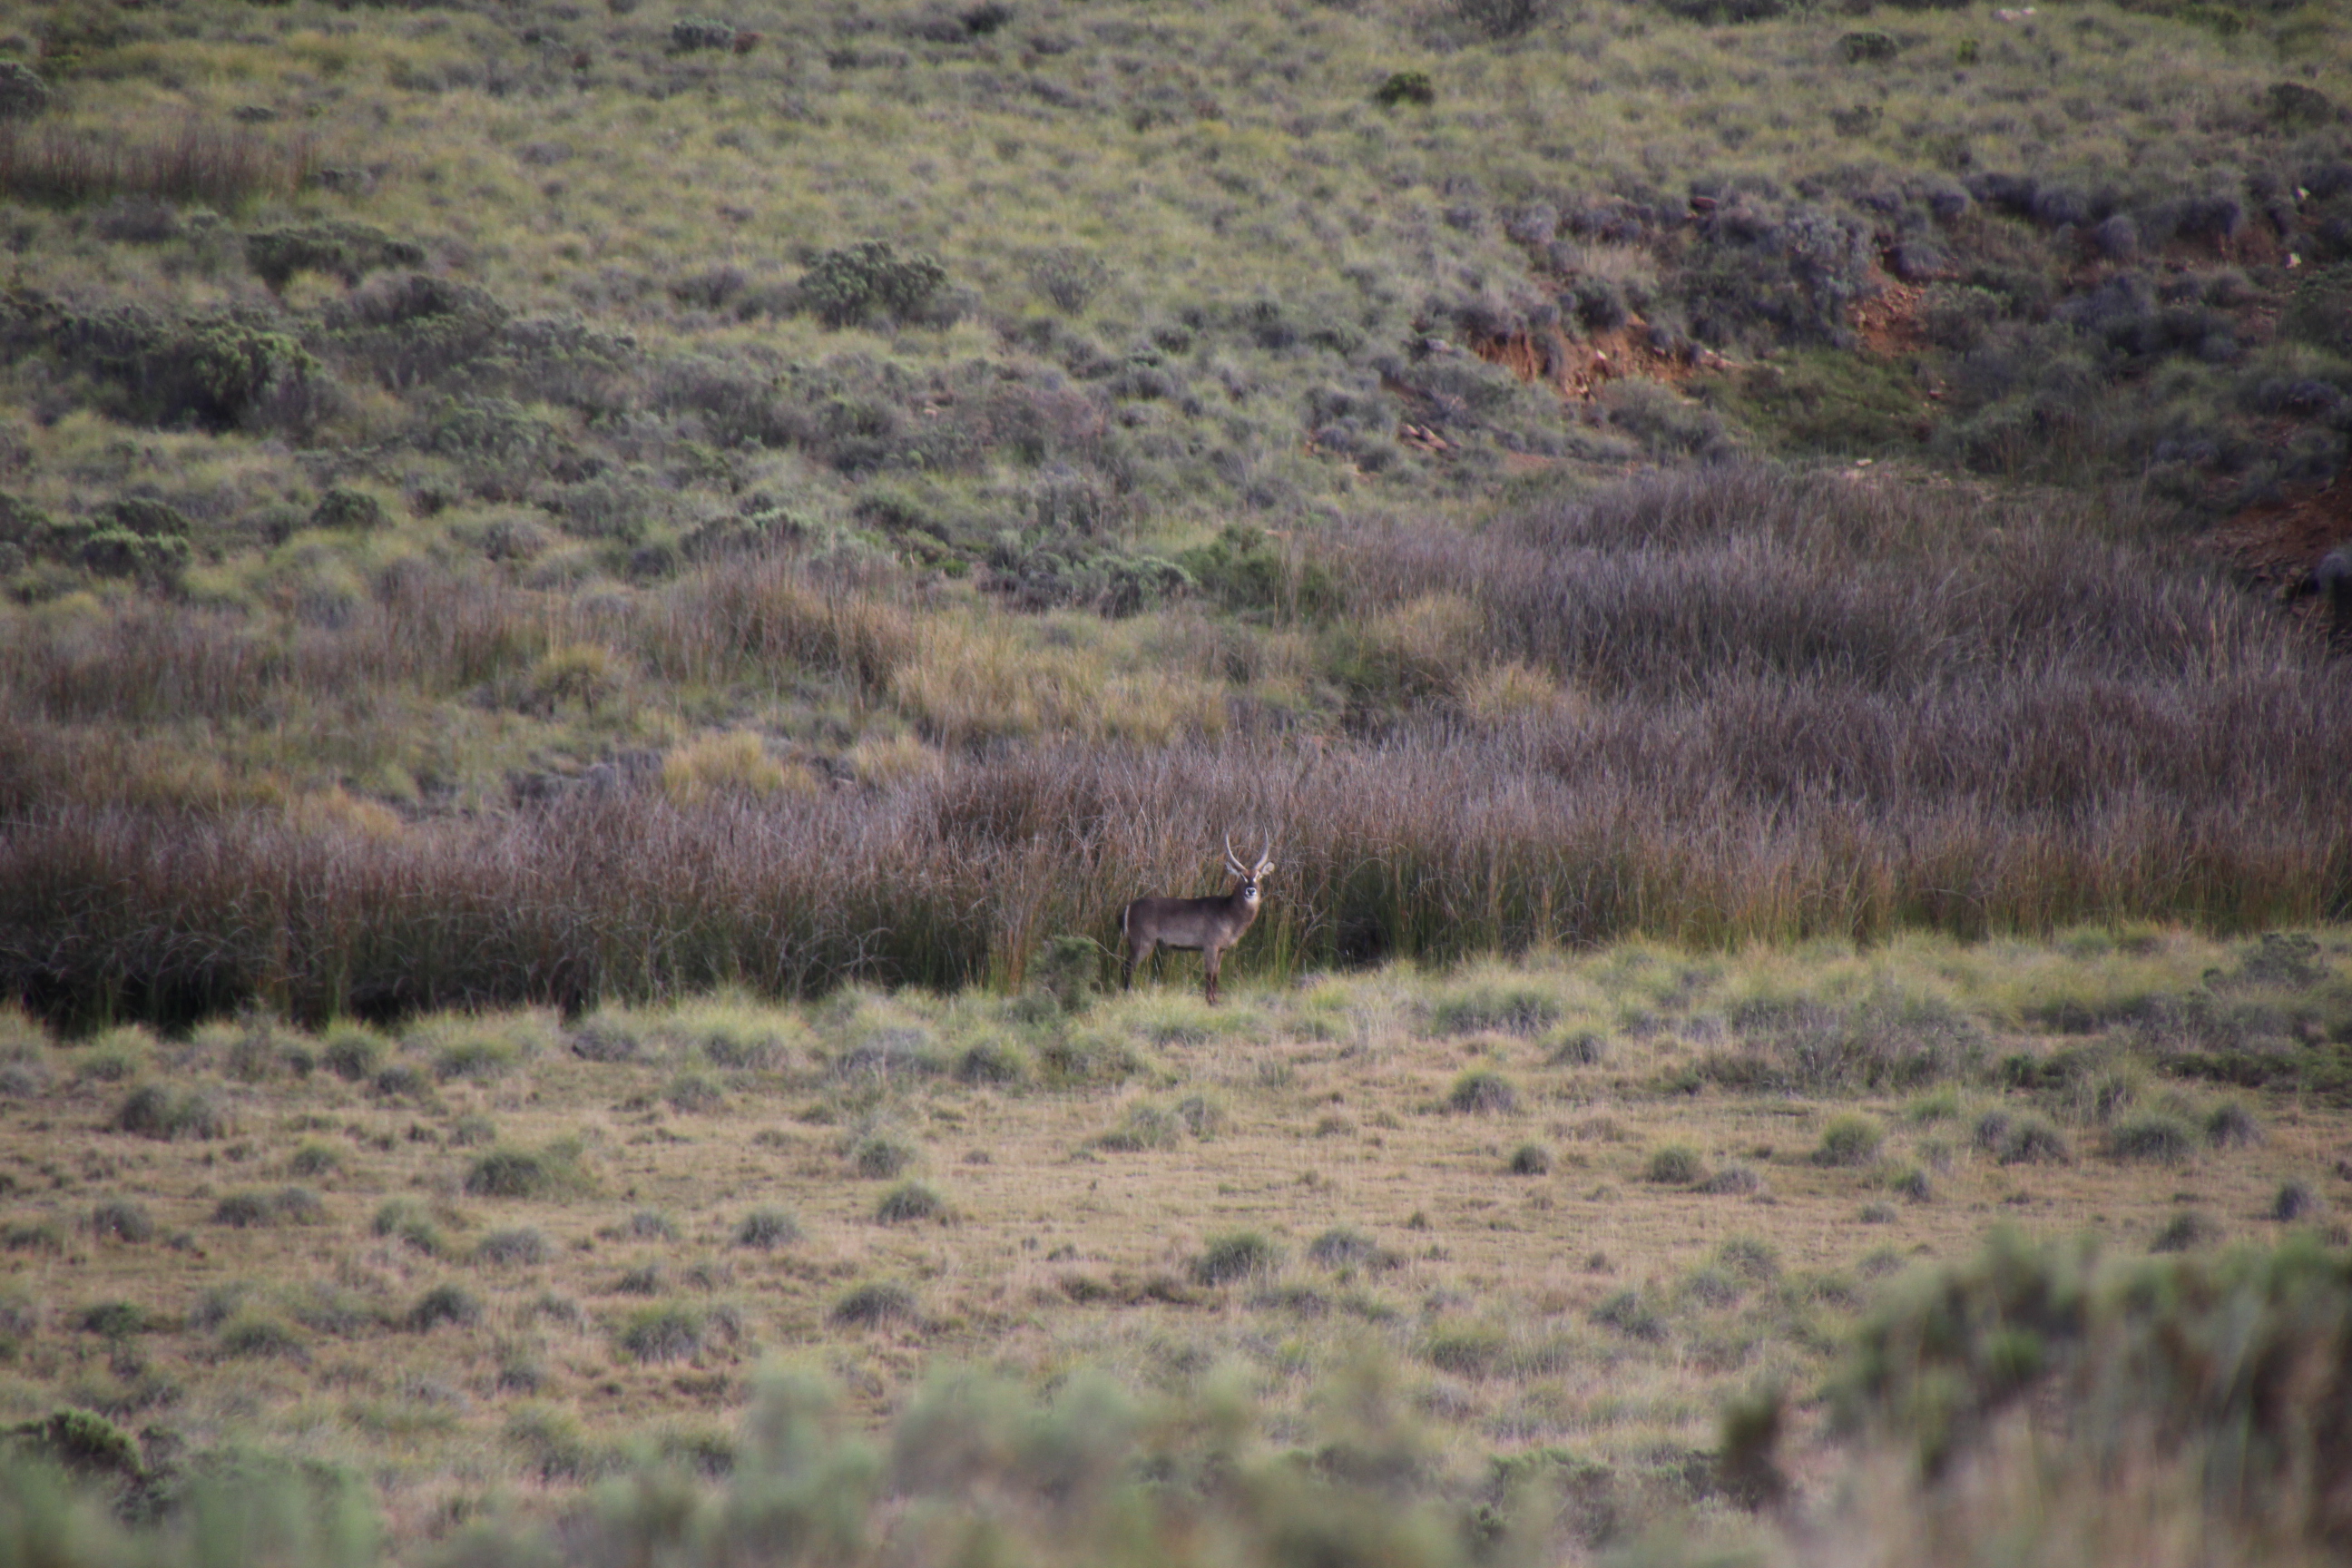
(1249, 876)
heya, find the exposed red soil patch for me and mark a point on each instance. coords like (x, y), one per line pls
(1889, 321)
(1579, 369)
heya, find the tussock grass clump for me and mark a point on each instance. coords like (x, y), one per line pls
(116, 1319)
(354, 1052)
(1675, 1166)
(553, 1172)
(2164, 1139)
(1529, 1160)
(1754, 1260)
(1584, 1049)
(766, 1229)
(1631, 1314)
(1236, 1255)
(672, 1331)
(410, 1223)
(647, 1225)
(2230, 1125)
(911, 1202)
(1481, 1092)
(294, 1206)
(123, 1219)
(1849, 1141)
(525, 1247)
(313, 1158)
(1493, 1010)
(991, 1062)
(1732, 1181)
(1341, 1247)
(1465, 1349)
(152, 1111)
(695, 1094)
(2295, 1201)
(874, 1303)
(452, 1304)
(880, 1157)
(255, 1335)
(2187, 1232)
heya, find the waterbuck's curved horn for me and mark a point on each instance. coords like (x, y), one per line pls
(1232, 859)
(1264, 858)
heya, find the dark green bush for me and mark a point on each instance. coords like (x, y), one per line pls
(2186, 1232)
(152, 1111)
(909, 1202)
(220, 372)
(1631, 1314)
(1530, 1159)
(877, 1303)
(1675, 1166)
(1404, 87)
(81, 1442)
(669, 1333)
(345, 250)
(767, 1229)
(552, 1172)
(1233, 1256)
(1481, 1092)
(123, 1219)
(444, 1304)
(2032, 1141)
(856, 283)
(1849, 1141)
(2231, 1126)
(2163, 1138)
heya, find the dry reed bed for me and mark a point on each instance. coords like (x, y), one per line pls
(1761, 707)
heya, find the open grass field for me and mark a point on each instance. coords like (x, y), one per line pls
(1572, 1207)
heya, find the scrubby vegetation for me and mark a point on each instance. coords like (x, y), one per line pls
(600, 606)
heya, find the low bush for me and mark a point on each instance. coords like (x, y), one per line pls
(909, 1202)
(2167, 1139)
(124, 1219)
(865, 1306)
(552, 1172)
(152, 1111)
(767, 1229)
(2186, 1232)
(1675, 1166)
(524, 1246)
(442, 1304)
(664, 1334)
(1849, 1141)
(1530, 1159)
(1483, 1093)
(880, 1157)
(1233, 1256)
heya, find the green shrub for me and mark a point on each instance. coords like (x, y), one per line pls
(522, 1246)
(991, 1062)
(846, 286)
(444, 1304)
(693, 1094)
(115, 1320)
(909, 1202)
(2295, 1201)
(353, 1053)
(672, 1331)
(2186, 1232)
(1530, 1159)
(767, 1229)
(81, 1442)
(1481, 1093)
(2231, 1126)
(875, 1302)
(552, 1172)
(1849, 1141)
(1631, 1313)
(1233, 1256)
(314, 1159)
(2032, 1141)
(345, 250)
(152, 1111)
(1675, 1166)
(243, 1211)
(246, 1335)
(123, 1219)
(1585, 1048)
(1405, 87)
(2162, 1137)
(409, 1222)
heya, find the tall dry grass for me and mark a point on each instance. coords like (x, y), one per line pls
(1787, 706)
(193, 161)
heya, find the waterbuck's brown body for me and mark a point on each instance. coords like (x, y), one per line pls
(1206, 926)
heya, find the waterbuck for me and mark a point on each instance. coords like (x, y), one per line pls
(1206, 926)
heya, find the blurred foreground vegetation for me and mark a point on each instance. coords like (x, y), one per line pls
(2031, 1403)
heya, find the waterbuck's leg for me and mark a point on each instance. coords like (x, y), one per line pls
(1135, 952)
(1209, 956)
